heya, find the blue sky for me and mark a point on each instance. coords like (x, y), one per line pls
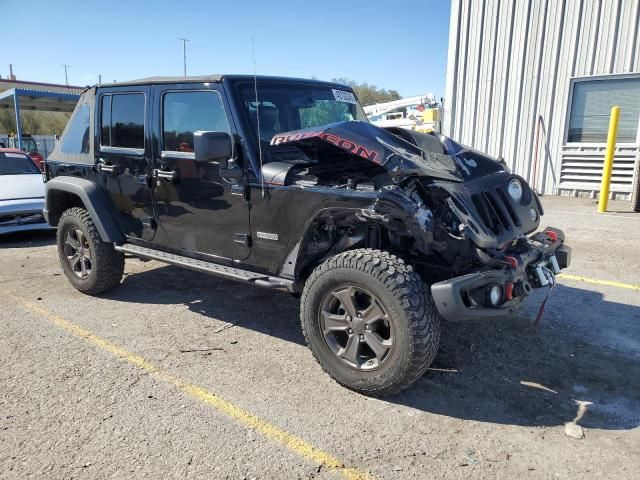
(400, 45)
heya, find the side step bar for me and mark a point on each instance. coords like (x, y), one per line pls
(208, 267)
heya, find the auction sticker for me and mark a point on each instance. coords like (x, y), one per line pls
(342, 96)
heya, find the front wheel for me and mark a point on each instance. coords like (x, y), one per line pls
(370, 321)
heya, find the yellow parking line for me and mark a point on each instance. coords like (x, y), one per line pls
(595, 281)
(242, 416)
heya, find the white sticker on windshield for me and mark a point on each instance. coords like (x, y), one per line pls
(342, 96)
(14, 155)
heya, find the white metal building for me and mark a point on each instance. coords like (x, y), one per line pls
(533, 81)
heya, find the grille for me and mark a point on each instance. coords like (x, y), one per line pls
(495, 210)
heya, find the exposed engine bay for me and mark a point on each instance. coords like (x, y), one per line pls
(291, 165)
(431, 198)
(454, 212)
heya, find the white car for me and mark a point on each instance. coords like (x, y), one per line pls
(21, 193)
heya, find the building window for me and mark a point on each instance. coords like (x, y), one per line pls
(122, 120)
(591, 108)
(187, 112)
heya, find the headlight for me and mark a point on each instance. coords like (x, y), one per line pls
(515, 190)
(533, 214)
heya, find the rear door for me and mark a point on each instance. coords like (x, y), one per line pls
(199, 209)
(124, 157)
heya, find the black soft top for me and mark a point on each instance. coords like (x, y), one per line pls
(218, 78)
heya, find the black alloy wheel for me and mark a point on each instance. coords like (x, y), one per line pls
(78, 252)
(356, 327)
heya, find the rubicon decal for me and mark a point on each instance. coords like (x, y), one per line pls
(340, 142)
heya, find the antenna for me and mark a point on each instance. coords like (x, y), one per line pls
(255, 86)
(184, 54)
(66, 78)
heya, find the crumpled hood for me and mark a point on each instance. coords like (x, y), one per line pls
(398, 156)
(14, 187)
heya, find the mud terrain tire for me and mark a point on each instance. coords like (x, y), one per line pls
(104, 266)
(410, 313)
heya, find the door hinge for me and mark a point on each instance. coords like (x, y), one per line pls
(242, 238)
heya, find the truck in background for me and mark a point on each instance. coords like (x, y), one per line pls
(418, 113)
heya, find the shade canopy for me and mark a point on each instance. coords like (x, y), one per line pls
(36, 100)
(40, 100)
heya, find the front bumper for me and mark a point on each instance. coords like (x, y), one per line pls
(452, 296)
(22, 214)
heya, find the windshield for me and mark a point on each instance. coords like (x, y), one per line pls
(16, 164)
(29, 145)
(285, 107)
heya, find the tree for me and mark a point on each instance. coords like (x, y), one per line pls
(35, 123)
(369, 94)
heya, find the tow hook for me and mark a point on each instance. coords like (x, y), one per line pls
(508, 287)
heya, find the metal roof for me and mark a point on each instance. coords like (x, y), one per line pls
(41, 100)
(7, 83)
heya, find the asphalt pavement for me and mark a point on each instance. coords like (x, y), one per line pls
(176, 374)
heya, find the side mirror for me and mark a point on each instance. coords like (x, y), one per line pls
(213, 147)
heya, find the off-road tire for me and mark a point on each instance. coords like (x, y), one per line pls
(107, 263)
(408, 302)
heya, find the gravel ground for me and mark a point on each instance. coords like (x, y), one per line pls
(494, 404)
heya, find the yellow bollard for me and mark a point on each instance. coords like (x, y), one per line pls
(608, 160)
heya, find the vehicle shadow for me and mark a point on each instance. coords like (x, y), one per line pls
(582, 362)
(28, 239)
(583, 357)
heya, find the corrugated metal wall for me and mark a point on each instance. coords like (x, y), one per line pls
(508, 78)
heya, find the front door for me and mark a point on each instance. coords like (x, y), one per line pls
(124, 157)
(198, 210)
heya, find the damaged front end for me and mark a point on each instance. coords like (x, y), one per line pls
(460, 217)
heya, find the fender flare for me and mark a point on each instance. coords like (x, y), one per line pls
(95, 200)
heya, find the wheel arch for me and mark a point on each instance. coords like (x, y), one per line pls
(63, 193)
(352, 231)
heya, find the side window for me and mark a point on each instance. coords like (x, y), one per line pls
(76, 137)
(184, 113)
(122, 120)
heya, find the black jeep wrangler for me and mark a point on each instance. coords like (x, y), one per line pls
(284, 183)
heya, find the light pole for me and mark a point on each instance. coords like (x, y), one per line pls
(66, 78)
(184, 53)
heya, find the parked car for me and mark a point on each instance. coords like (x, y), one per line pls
(21, 193)
(30, 146)
(283, 183)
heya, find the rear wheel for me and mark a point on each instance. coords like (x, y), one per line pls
(370, 321)
(91, 265)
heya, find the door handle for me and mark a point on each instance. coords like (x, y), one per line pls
(166, 174)
(103, 167)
